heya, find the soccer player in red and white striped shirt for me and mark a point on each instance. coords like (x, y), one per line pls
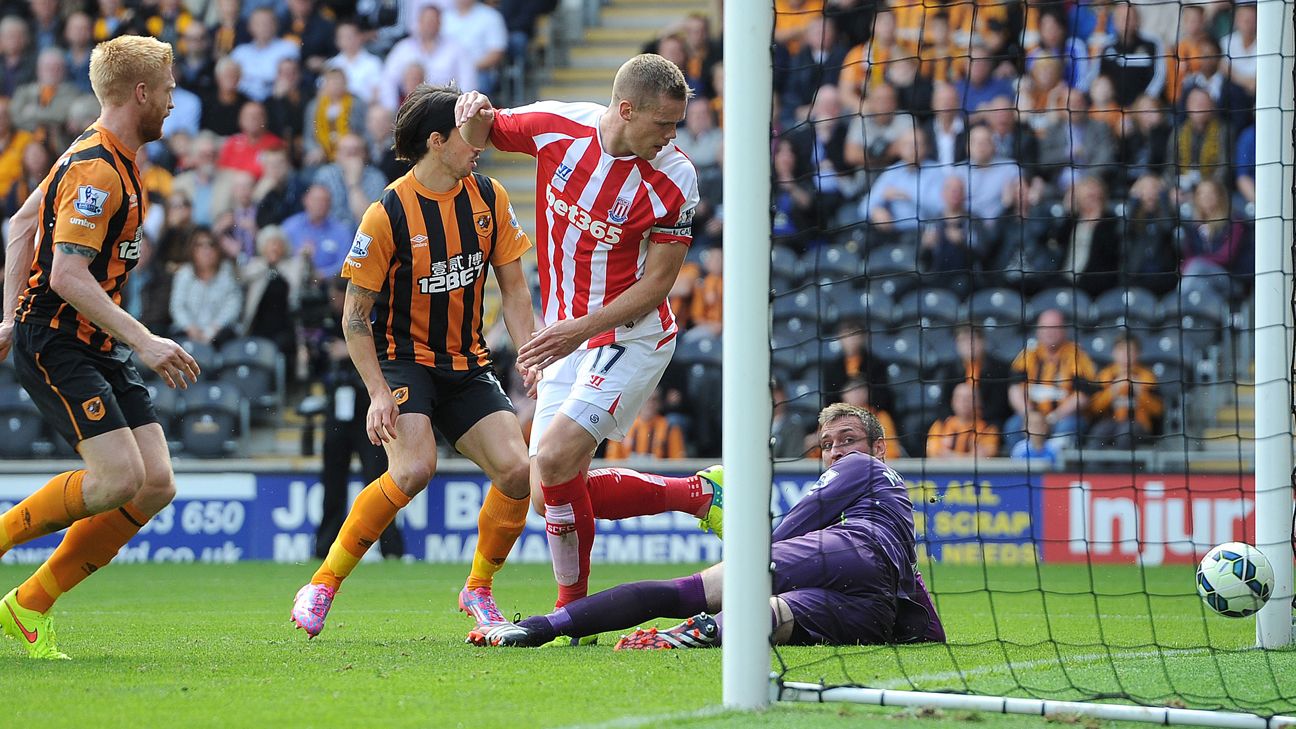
(615, 200)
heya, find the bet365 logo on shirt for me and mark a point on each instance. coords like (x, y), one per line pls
(581, 218)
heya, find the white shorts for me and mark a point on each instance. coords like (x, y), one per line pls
(589, 385)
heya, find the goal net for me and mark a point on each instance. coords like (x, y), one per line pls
(1048, 244)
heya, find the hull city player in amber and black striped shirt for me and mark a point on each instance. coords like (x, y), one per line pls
(71, 248)
(413, 323)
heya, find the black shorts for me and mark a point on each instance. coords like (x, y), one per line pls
(80, 392)
(453, 401)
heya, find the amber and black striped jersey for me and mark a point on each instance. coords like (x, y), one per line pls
(426, 253)
(93, 198)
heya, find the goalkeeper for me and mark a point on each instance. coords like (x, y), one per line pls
(844, 566)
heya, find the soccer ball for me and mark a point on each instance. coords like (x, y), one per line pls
(1235, 579)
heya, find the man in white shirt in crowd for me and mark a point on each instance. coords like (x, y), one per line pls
(259, 59)
(362, 68)
(442, 58)
(480, 30)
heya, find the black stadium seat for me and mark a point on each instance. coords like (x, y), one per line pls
(20, 423)
(256, 365)
(1073, 303)
(928, 306)
(699, 346)
(832, 263)
(871, 307)
(212, 420)
(994, 307)
(1133, 307)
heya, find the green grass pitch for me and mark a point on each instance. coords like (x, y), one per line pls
(211, 646)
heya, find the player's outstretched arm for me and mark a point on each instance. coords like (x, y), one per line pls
(20, 250)
(357, 307)
(519, 314)
(71, 279)
(475, 116)
(661, 267)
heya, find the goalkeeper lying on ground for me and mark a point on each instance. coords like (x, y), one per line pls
(844, 567)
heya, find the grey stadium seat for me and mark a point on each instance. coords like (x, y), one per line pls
(1073, 303)
(994, 307)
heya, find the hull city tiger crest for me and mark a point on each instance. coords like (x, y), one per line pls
(400, 395)
(482, 221)
(619, 211)
(94, 408)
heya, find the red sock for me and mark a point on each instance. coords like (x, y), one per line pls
(620, 493)
(569, 523)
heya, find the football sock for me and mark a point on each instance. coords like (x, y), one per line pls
(626, 606)
(52, 508)
(498, 526)
(87, 547)
(569, 526)
(620, 493)
(372, 511)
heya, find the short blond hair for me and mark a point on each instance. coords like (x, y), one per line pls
(118, 65)
(838, 410)
(646, 78)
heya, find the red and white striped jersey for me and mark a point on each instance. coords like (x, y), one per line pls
(597, 214)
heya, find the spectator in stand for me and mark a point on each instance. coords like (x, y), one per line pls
(857, 362)
(964, 434)
(35, 165)
(943, 60)
(818, 62)
(274, 281)
(1090, 236)
(1240, 48)
(953, 243)
(796, 203)
(12, 143)
(45, 23)
(1043, 94)
(222, 106)
(791, 18)
(259, 58)
(241, 151)
(1038, 447)
(650, 436)
(168, 21)
(318, 236)
(708, 296)
(856, 393)
(286, 107)
(242, 229)
(1053, 380)
(1126, 403)
(230, 29)
(42, 107)
(443, 60)
(1209, 76)
(114, 19)
(78, 39)
(989, 179)
(864, 67)
(195, 70)
(186, 114)
(908, 192)
(981, 87)
(1214, 244)
(1134, 60)
(306, 26)
(1244, 166)
(672, 48)
(700, 138)
(1055, 42)
(1145, 140)
(913, 92)
(702, 51)
(479, 29)
(1011, 139)
(1074, 144)
(363, 69)
(1150, 258)
(333, 113)
(205, 296)
(947, 128)
(871, 139)
(378, 133)
(17, 65)
(982, 369)
(352, 182)
(1191, 45)
(1200, 147)
(207, 186)
(787, 430)
(279, 191)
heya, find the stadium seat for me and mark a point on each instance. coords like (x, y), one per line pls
(204, 354)
(802, 303)
(794, 330)
(890, 260)
(1006, 342)
(1119, 307)
(1168, 347)
(938, 347)
(20, 423)
(803, 397)
(928, 306)
(213, 419)
(785, 269)
(892, 287)
(1097, 343)
(832, 263)
(166, 402)
(1073, 303)
(994, 307)
(699, 346)
(871, 307)
(256, 364)
(1203, 304)
(903, 348)
(8, 374)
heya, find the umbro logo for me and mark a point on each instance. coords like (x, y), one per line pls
(419, 241)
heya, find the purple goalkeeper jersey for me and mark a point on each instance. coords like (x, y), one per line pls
(862, 495)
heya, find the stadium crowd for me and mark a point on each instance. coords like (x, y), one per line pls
(1056, 162)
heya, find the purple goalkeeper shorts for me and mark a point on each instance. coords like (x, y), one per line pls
(840, 587)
